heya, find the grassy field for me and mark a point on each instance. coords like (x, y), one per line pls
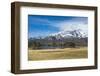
(52, 54)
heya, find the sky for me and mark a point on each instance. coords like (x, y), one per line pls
(44, 25)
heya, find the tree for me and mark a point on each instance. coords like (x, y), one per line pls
(71, 44)
(34, 45)
(53, 41)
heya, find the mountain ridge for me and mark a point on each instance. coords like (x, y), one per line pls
(70, 34)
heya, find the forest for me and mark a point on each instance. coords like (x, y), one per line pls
(52, 42)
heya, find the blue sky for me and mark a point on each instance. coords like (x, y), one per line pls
(44, 25)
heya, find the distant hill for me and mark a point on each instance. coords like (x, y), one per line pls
(64, 39)
(69, 34)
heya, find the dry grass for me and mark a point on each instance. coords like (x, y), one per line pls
(52, 54)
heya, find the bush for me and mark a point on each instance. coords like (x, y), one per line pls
(70, 44)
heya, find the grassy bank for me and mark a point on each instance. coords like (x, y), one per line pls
(52, 54)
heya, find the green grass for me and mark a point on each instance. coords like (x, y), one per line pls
(52, 54)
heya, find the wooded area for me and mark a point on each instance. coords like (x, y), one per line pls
(52, 42)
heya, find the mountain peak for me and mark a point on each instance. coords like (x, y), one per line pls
(70, 34)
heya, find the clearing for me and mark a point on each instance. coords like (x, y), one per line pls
(52, 54)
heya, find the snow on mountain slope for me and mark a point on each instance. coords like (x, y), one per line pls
(69, 34)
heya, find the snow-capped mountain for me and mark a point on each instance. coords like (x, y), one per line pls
(70, 34)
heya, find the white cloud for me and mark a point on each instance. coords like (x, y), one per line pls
(66, 25)
(73, 24)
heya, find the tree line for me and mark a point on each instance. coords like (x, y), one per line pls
(47, 43)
